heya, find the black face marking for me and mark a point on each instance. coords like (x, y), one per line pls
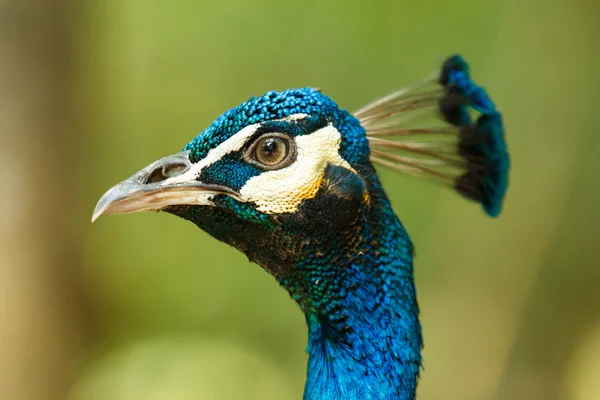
(231, 171)
(299, 127)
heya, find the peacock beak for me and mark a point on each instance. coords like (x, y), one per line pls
(166, 182)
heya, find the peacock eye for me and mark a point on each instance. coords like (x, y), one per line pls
(272, 151)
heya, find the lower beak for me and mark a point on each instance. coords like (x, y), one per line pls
(166, 182)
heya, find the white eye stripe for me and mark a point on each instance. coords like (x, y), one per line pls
(234, 143)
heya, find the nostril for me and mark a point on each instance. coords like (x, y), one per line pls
(174, 170)
(165, 172)
(156, 176)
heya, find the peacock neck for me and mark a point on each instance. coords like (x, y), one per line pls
(347, 260)
(365, 337)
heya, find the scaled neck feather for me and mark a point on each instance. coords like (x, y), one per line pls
(366, 344)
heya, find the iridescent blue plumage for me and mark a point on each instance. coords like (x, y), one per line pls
(344, 256)
(287, 178)
(371, 347)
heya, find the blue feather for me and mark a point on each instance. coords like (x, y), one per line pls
(483, 141)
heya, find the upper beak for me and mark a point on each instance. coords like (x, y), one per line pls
(166, 182)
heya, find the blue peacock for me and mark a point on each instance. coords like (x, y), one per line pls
(288, 179)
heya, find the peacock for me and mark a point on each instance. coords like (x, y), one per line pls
(288, 179)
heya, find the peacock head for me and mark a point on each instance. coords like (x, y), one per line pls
(289, 169)
(268, 177)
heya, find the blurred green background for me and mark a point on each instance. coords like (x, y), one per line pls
(147, 306)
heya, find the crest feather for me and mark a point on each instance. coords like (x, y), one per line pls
(445, 128)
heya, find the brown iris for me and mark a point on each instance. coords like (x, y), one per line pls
(272, 151)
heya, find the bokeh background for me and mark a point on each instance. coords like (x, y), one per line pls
(146, 306)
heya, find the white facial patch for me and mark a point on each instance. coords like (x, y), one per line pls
(282, 191)
(234, 143)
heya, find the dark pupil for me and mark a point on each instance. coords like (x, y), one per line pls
(269, 147)
(271, 151)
